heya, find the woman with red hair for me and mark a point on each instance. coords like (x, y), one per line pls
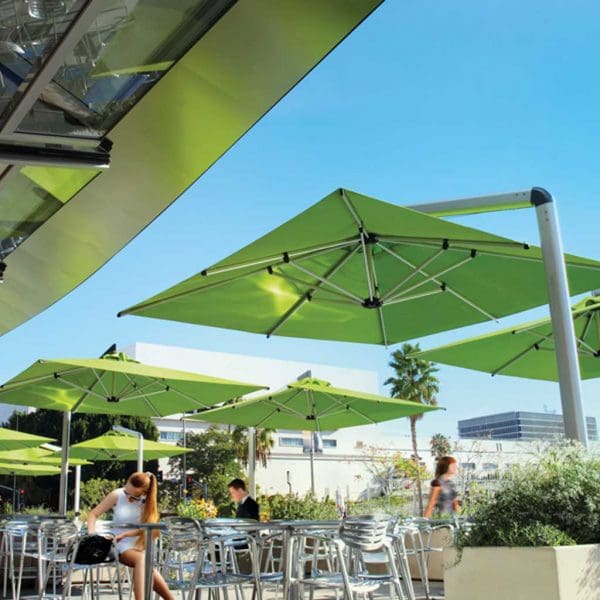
(136, 502)
(442, 497)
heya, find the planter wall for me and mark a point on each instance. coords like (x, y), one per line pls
(546, 573)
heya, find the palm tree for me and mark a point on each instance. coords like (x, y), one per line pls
(264, 444)
(414, 380)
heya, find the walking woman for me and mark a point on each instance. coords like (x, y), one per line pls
(442, 496)
(136, 502)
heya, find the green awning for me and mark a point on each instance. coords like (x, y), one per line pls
(31, 470)
(356, 269)
(527, 350)
(312, 405)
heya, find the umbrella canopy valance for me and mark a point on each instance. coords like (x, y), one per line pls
(118, 385)
(13, 440)
(527, 350)
(312, 405)
(32, 470)
(116, 446)
(36, 456)
(353, 268)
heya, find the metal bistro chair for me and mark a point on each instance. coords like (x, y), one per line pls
(23, 542)
(358, 537)
(180, 553)
(419, 532)
(216, 566)
(66, 556)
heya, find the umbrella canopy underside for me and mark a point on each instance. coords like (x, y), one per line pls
(527, 350)
(353, 268)
(312, 405)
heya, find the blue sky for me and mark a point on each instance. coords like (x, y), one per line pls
(425, 101)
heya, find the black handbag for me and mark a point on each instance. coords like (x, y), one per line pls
(93, 549)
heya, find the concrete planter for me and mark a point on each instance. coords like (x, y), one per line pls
(545, 573)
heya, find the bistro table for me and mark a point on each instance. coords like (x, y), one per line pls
(289, 528)
(148, 529)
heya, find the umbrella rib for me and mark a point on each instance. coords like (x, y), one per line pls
(351, 209)
(368, 274)
(513, 360)
(416, 270)
(350, 408)
(135, 387)
(11, 386)
(445, 287)
(327, 282)
(308, 296)
(276, 258)
(303, 282)
(456, 243)
(99, 380)
(433, 277)
(415, 296)
(382, 325)
(190, 398)
(87, 392)
(550, 338)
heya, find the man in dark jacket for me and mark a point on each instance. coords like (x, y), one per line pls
(247, 508)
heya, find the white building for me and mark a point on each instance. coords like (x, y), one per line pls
(344, 456)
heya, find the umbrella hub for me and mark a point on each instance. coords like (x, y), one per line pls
(372, 303)
(120, 356)
(113, 399)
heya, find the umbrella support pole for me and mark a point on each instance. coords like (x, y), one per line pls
(252, 461)
(64, 467)
(77, 495)
(558, 290)
(567, 359)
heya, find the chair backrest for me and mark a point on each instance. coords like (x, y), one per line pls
(366, 533)
(182, 533)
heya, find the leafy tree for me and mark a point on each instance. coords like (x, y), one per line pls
(44, 490)
(414, 380)
(264, 444)
(440, 446)
(214, 461)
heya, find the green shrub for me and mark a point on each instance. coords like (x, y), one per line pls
(293, 506)
(391, 505)
(553, 501)
(93, 491)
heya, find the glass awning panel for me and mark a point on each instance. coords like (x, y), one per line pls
(129, 47)
(29, 196)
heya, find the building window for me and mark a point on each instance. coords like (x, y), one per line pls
(170, 436)
(291, 442)
(490, 466)
(329, 443)
(467, 466)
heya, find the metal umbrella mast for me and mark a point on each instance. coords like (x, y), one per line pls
(567, 360)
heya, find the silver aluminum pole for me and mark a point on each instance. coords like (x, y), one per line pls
(77, 498)
(252, 461)
(312, 463)
(183, 459)
(64, 467)
(140, 448)
(560, 313)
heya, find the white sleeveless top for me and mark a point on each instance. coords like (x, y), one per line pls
(126, 512)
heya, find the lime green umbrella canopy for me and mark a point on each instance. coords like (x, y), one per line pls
(527, 350)
(39, 456)
(353, 268)
(12, 440)
(116, 446)
(312, 405)
(32, 470)
(118, 385)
